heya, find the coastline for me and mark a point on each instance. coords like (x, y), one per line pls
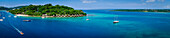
(24, 15)
(50, 16)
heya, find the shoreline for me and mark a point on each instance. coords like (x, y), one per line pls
(50, 16)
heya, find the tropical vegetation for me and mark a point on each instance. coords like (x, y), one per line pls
(47, 9)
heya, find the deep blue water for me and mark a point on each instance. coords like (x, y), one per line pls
(99, 25)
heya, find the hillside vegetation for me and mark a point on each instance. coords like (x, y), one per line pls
(47, 9)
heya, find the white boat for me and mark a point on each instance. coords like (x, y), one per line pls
(87, 19)
(42, 17)
(26, 20)
(115, 21)
(1, 19)
(15, 16)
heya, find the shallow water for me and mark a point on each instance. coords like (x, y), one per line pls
(99, 25)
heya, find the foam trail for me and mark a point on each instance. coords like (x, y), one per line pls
(18, 30)
(15, 28)
(5, 14)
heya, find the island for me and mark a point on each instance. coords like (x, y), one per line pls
(142, 10)
(47, 10)
(6, 8)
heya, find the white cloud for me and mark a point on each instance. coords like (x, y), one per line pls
(168, 6)
(150, 0)
(153, 0)
(88, 1)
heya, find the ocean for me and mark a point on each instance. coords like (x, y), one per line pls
(99, 25)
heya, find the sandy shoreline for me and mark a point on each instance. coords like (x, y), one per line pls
(51, 16)
(21, 15)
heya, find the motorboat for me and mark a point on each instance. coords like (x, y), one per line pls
(42, 17)
(115, 21)
(21, 33)
(15, 16)
(1, 19)
(87, 19)
(26, 20)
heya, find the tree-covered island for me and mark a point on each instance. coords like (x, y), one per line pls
(48, 10)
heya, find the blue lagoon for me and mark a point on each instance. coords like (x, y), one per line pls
(99, 25)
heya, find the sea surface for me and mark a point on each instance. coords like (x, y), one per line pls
(99, 25)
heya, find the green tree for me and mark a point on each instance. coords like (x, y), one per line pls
(38, 10)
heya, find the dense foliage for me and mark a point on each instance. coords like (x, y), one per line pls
(143, 10)
(48, 9)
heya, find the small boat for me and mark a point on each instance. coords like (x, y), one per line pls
(26, 20)
(42, 17)
(15, 16)
(87, 19)
(115, 21)
(21, 33)
(1, 19)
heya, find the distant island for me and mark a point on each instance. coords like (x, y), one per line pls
(143, 10)
(47, 10)
(6, 8)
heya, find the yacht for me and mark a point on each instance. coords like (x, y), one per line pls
(1, 19)
(115, 21)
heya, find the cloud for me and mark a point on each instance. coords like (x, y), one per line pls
(88, 1)
(153, 0)
(168, 6)
(150, 0)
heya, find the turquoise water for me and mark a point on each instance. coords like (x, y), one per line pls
(99, 25)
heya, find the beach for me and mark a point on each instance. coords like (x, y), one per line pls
(51, 16)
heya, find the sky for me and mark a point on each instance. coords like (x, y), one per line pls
(94, 4)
